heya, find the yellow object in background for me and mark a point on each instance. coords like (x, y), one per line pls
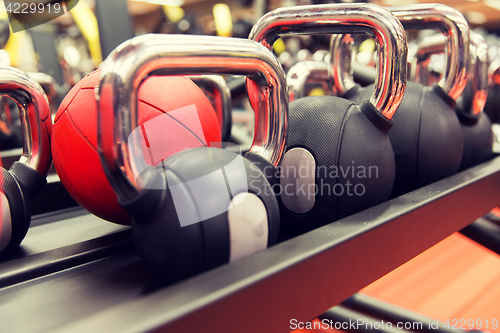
(279, 46)
(317, 92)
(173, 13)
(223, 20)
(367, 45)
(87, 23)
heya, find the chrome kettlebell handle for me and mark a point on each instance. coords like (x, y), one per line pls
(36, 123)
(215, 86)
(427, 47)
(373, 20)
(456, 30)
(153, 54)
(300, 74)
(478, 65)
(420, 16)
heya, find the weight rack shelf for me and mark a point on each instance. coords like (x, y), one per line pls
(110, 290)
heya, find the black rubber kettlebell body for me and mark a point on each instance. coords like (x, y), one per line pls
(476, 126)
(20, 186)
(352, 157)
(426, 136)
(174, 251)
(338, 159)
(201, 207)
(477, 134)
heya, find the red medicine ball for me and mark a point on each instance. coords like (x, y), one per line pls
(74, 135)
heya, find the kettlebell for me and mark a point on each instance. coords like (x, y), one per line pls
(493, 101)
(426, 137)
(476, 126)
(303, 74)
(338, 158)
(26, 177)
(217, 91)
(202, 207)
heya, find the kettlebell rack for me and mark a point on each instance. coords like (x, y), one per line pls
(77, 273)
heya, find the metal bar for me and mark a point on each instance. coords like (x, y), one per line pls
(45, 263)
(305, 276)
(485, 233)
(351, 321)
(395, 314)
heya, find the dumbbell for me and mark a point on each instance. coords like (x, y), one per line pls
(24, 180)
(476, 126)
(303, 74)
(202, 207)
(426, 137)
(217, 91)
(329, 136)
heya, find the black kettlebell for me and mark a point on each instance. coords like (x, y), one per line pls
(338, 158)
(493, 101)
(426, 137)
(202, 207)
(476, 126)
(24, 180)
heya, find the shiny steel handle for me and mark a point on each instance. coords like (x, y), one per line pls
(456, 30)
(480, 52)
(220, 96)
(373, 20)
(478, 65)
(34, 110)
(340, 70)
(302, 73)
(422, 16)
(51, 87)
(426, 48)
(131, 62)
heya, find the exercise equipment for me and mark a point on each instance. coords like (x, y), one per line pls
(74, 139)
(26, 177)
(476, 126)
(330, 138)
(426, 137)
(219, 94)
(305, 73)
(192, 223)
(51, 89)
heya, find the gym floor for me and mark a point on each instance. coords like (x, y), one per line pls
(455, 279)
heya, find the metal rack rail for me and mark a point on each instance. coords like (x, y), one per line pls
(299, 278)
